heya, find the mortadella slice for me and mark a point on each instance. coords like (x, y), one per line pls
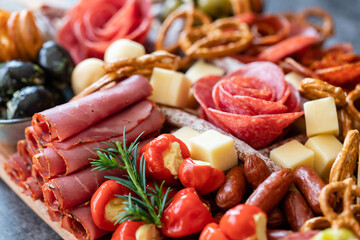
(66, 120)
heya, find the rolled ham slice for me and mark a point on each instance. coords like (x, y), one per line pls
(66, 120)
(32, 189)
(64, 193)
(17, 169)
(52, 161)
(79, 222)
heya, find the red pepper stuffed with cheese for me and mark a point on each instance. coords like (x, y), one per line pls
(163, 157)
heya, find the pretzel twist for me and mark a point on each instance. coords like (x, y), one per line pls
(315, 89)
(326, 28)
(346, 219)
(350, 100)
(345, 162)
(212, 40)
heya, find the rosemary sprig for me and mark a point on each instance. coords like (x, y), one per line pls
(149, 203)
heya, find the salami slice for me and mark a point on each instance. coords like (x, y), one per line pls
(254, 103)
(31, 188)
(17, 169)
(66, 120)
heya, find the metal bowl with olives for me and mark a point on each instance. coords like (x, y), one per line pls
(30, 87)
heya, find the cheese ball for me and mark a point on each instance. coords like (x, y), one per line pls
(123, 48)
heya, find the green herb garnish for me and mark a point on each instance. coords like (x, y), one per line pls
(149, 203)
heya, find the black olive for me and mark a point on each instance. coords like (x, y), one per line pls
(28, 101)
(15, 75)
(57, 63)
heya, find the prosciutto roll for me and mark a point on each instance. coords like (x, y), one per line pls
(80, 223)
(66, 192)
(52, 161)
(66, 120)
(17, 169)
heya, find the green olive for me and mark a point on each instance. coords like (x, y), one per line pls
(215, 8)
(335, 234)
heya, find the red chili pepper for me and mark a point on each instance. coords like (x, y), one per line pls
(163, 157)
(186, 214)
(244, 221)
(126, 230)
(105, 206)
(212, 231)
(203, 178)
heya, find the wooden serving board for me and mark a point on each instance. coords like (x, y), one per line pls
(37, 206)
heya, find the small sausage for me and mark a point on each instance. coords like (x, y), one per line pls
(309, 183)
(232, 192)
(273, 234)
(296, 210)
(256, 170)
(270, 192)
(276, 218)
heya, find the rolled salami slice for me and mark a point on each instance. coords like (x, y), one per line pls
(31, 188)
(52, 161)
(66, 120)
(254, 103)
(79, 222)
(17, 169)
(64, 193)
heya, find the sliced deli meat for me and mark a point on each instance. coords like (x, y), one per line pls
(52, 161)
(66, 120)
(254, 103)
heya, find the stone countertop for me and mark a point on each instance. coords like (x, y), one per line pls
(18, 222)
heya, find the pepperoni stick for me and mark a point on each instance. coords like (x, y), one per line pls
(180, 118)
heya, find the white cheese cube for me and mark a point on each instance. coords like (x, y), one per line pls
(201, 69)
(326, 148)
(294, 79)
(292, 155)
(169, 87)
(123, 48)
(321, 117)
(214, 148)
(185, 134)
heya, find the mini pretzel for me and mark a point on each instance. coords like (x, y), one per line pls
(350, 99)
(190, 15)
(245, 6)
(345, 162)
(315, 89)
(212, 40)
(122, 68)
(326, 29)
(345, 122)
(346, 219)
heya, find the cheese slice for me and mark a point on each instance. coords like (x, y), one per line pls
(321, 117)
(294, 79)
(201, 69)
(169, 87)
(214, 148)
(292, 154)
(185, 134)
(325, 148)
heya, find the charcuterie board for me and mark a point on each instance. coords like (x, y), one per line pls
(37, 207)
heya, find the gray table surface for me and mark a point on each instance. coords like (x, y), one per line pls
(18, 222)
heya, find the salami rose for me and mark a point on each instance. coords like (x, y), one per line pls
(92, 25)
(254, 103)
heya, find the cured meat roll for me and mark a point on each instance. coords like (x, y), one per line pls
(17, 169)
(66, 120)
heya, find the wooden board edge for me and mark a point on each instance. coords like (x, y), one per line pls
(37, 206)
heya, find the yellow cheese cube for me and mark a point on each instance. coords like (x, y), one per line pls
(214, 148)
(326, 148)
(169, 87)
(321, 117)
(294, 79)
(292, 155)
(185, 134)
(201, 69)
